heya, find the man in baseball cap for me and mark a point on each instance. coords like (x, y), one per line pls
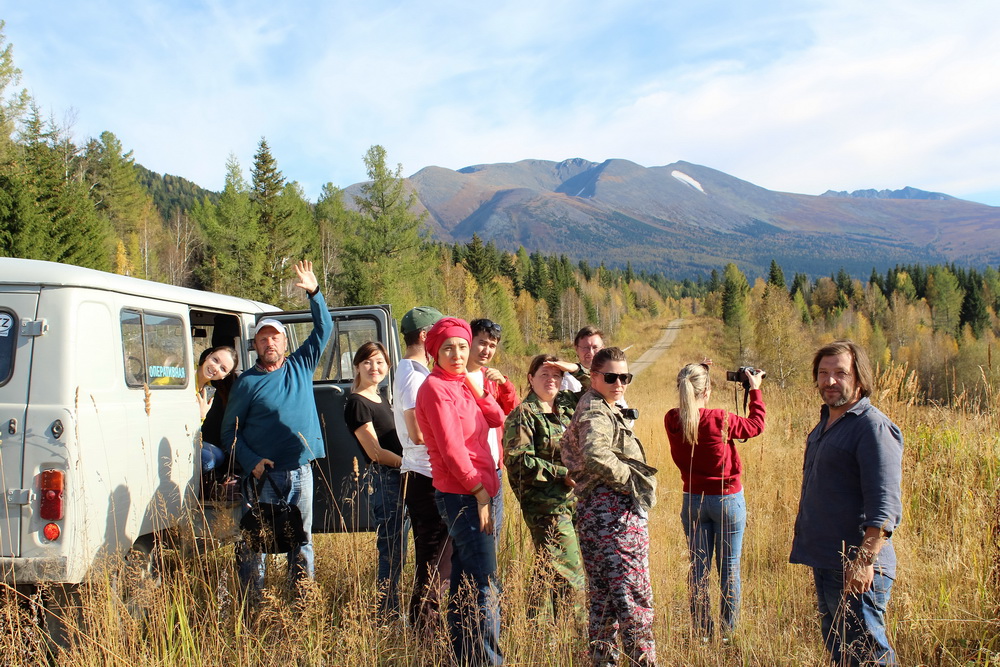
(271, 417)
(268, 322)
(421, 317)
(430, 535)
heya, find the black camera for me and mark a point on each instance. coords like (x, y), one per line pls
(742, 375)
(630, 413)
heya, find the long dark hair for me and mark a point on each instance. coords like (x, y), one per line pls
(225, 385)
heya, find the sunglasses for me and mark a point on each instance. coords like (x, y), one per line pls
(489, 326)
(611, 378)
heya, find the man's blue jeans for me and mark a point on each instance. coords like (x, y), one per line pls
(474, 625)
(714, 525)
(854, 625)
(296, 486)
(387, 510)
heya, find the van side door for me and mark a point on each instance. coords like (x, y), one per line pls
(340, 494)
(18, 329)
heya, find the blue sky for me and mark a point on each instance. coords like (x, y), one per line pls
(798, 96)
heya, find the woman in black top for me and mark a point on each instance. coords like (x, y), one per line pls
(369, 418)
(213, 381)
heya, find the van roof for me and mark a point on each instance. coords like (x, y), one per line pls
(33, 272)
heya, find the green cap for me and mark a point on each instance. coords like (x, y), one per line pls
(418, 318)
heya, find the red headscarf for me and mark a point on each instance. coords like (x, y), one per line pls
(445, 328)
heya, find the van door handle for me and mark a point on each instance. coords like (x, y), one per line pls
(12, 426)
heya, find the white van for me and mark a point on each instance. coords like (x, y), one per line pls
(99, 426)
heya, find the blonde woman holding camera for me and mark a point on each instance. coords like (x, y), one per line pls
(714, 512)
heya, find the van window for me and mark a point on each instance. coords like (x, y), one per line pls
(211, 329)
(8, 342)
(337, 361)
(154, 350)
(135, 358)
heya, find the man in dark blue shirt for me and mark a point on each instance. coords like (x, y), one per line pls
(850, 506)
(272, 418)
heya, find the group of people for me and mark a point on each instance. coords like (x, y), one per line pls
(436, 458)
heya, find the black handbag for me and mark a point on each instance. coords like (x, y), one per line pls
(270, 528)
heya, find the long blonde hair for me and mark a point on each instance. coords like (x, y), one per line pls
(692, 383)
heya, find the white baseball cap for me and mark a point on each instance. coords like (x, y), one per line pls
(268, 322)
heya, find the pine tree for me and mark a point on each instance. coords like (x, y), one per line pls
(974, 311)
(735, 290)
(776, 276)
(233, 257)
(383, 250)
(479, 261)
(13, 103)
(944, 296)
(508, 269)
(333, 220)
(282, 222)
(43, 213)
(119, 198)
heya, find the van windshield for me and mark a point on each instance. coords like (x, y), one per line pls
(8, 341)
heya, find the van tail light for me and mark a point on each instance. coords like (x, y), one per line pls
(52, 494)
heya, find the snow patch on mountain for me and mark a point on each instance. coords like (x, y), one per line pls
(687, 180)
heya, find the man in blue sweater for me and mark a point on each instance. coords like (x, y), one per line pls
(271, 417)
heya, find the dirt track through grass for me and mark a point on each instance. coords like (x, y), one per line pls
(659, 347)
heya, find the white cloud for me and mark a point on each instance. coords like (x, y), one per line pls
(799, 97)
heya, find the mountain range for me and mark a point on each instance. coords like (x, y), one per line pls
(683, 219)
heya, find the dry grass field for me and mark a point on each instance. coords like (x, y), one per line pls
(943, 612)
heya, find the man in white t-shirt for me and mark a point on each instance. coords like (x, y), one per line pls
(485, 339)
(430, 534)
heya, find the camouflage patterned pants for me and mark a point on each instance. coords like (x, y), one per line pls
(614, 539)
(560, 565)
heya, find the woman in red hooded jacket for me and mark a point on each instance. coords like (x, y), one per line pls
(455, 417)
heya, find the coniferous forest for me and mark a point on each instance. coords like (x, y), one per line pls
(88, 202)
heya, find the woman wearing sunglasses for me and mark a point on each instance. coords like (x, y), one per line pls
(713, 511)
(616, 490)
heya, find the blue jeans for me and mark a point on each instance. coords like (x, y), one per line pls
(714, 524)
(854, 625)
(390, 525)
(296, 486)
(474, 626)
(211, 457)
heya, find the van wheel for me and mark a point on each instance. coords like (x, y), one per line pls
(22, 623)
(60, 615)
(140, 576)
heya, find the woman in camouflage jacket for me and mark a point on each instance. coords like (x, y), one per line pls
(541, 482)
(616, 490)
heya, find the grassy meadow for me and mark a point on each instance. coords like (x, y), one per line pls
(943, 611)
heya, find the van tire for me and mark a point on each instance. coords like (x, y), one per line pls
(60, 615)
(139, 575)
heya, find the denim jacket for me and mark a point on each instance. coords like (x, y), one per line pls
(851, 480)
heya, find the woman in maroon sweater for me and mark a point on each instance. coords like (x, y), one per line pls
(455, 416)
(714, 511)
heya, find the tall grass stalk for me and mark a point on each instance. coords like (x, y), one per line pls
(943, 611)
